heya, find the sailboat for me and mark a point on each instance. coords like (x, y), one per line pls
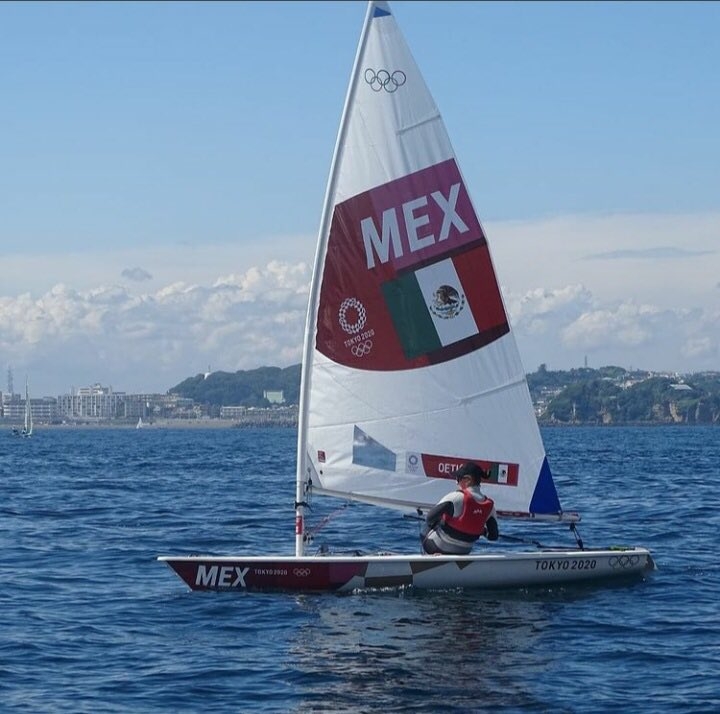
(28, 426)
(410, 366)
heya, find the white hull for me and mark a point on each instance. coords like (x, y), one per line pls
(349, 573)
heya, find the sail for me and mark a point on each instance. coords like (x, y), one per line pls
(28, 428)
(410, 365)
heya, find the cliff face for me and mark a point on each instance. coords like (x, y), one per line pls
(597, 397)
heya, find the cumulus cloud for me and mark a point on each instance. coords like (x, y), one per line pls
(151, 341)
(626, 325)
(540, 310)
(655, 313)
(566, 327)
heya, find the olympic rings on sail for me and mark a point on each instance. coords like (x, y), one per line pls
(355, 327)
(362, 349)
(382, 79)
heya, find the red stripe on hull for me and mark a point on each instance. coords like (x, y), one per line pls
(213, 574)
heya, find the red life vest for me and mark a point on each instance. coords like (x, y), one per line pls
(472, 518)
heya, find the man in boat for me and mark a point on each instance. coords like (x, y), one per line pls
(460, 517)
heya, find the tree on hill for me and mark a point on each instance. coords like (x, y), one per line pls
(608, 395)
(584, 401)
(241, 388)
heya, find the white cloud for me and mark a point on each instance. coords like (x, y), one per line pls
(538, 311)
(627, 325)
(166, 264)
(153, 341)
(625, 334)
(570, 291)
(701, 347)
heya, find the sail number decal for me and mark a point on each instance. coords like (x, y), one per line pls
(407, 279)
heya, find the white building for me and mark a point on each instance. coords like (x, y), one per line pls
(274, 397)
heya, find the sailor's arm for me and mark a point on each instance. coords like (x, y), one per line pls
(492, 532)
(436, 512)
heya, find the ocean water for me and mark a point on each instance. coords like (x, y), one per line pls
(91, 622)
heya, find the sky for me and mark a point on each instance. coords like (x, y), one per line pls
(163, 167)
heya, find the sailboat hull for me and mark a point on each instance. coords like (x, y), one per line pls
(366, 572)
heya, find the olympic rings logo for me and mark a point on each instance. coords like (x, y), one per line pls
(301, 572)
(354, 327)
(623, 561)
(362, 349)
(382, 79)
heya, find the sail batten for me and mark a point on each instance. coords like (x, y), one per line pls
(421, 122)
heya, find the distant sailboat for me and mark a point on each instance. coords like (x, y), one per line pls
(139, 424)
(28, 428)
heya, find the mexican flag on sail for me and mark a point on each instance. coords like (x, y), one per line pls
(429, 308)
(407, 264)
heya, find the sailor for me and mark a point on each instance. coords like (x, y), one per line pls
(460, 517)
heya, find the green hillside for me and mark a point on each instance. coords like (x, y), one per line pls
(242, 388)
(608, 395)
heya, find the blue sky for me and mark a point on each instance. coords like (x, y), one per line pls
(163, 167)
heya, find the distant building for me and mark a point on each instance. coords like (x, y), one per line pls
(259, 416)
(43, 410)
(95, 402)
(274, 397)
(233, 412)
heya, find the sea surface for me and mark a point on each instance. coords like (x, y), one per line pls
(91, 622)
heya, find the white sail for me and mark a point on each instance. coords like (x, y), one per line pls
(410, 365)
(28, 427)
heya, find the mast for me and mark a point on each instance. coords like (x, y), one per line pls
(28, 410)
(303, 473)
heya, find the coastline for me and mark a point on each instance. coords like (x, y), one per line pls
(164, 424)
(161, 424)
